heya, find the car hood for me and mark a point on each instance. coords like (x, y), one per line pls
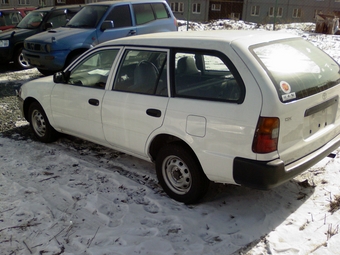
(16, 32)
(63, 36)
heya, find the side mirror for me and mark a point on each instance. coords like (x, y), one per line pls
(61, 77)
(48, 25)
(107, 24)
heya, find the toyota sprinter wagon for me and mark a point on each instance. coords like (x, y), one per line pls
(250, 108)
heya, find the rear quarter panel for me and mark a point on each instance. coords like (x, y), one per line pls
(229, 127)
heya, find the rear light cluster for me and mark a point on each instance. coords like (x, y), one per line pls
(266, 135)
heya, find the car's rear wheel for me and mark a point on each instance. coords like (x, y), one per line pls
(19, 61)
(180, 174)
(40, 125)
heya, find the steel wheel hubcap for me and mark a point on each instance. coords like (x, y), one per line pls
(38, 123)
(176, 175)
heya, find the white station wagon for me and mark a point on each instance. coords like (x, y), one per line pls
(251, 108)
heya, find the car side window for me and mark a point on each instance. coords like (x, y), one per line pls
(206, 76)
(143, 72)
(94, 70)
(160, 11)
(121, 16)
(143, 13)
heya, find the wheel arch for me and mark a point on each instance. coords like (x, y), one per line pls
(26, 106)
(160, 140)
(74, 53)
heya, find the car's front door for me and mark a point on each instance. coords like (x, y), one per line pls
(137, 103)
(76, 106)
(122, 24)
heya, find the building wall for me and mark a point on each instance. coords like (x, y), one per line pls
(37, 3)
(292, 10)
(188, 9)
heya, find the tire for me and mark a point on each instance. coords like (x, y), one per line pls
(180, 174)
(19, 61)
(40, 125)
(46, 72)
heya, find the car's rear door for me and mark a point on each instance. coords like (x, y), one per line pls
(137, 103)
(305, 95)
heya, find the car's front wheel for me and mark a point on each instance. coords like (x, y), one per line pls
(180, 174)
(40, 125)
(19, 61)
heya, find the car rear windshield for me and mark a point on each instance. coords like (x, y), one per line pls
(297, 68)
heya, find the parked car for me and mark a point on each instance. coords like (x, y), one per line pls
(37, 21)
(251, 108)
(9, 18)
(96, 23)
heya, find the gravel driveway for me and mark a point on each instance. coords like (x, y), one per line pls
(10, 81)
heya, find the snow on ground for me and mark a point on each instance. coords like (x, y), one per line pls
(74, 197)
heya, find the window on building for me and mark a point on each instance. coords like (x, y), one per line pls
(42, 2)
(278, 12)
(215, 7)
(5, 2)
(23, 2)
(255, 10)
(196, 8)
(235, 16)
(177, 7)
(297, 13)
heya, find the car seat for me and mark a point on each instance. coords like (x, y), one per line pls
(145, 78)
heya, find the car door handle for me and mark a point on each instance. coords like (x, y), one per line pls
(132, 32)
(94, 102)
(154, 113)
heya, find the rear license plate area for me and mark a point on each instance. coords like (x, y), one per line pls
(320, 117)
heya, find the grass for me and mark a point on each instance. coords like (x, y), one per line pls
(334, 204)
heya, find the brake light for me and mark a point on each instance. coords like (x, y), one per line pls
(266, 135)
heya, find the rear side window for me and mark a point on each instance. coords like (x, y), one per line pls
(207, 76)
(160, 11)
(143, 13)
(297, 68)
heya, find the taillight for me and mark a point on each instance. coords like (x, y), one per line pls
(266, 135)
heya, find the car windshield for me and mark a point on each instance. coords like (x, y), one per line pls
(88, 17)
(297, 68)
(32, 20)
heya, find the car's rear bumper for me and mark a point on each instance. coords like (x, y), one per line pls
(267, 175)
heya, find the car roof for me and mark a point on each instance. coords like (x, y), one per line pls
(18, 9)
(202, 39)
